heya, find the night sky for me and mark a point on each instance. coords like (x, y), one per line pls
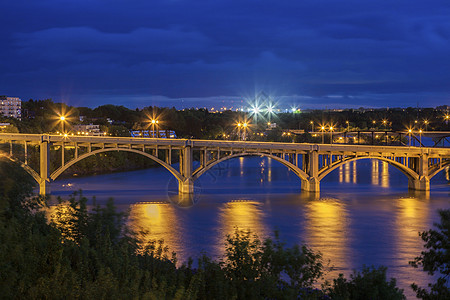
(314, 54)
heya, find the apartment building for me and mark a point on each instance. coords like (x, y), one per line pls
(11, 107)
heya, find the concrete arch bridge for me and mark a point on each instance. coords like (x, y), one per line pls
(310, 162)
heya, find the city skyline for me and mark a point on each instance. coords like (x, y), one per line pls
(176, 53)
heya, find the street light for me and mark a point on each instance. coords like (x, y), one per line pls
(245, 127)
(426, 122)
(322, 129)
(312, 125)
(154, 123)
(410, 132)
(420, 138)
(239, 130)
(331, 134)
(63, 121)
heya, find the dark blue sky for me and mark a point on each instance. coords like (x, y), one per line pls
(314, 54)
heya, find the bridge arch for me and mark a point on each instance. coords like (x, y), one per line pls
(405, 170)
(299, 172)
(434, 173)
(61, 169)
(27, 169)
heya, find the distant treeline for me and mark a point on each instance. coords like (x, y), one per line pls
(40, 116)
(72, 252)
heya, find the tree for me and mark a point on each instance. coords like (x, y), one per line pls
(371, 283)
(436, 259)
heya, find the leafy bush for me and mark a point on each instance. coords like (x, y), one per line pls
(436, 260)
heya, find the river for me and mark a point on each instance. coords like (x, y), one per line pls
(363, 215)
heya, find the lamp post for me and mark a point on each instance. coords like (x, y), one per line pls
(322, 129)
(331, 134)
(420, 138)
(312, 125)
(410, 132)
(154, 124)
(426, 122)
(239, 130)
(245, 128)
(63, 120)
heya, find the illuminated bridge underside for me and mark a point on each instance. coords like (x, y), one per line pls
(310, 162)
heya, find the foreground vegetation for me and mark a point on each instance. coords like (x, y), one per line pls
(91, 254)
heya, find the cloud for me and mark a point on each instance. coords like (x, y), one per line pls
(202, 49)
(78, 44)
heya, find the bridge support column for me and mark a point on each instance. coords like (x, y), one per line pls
(313, 183)
(421, 184)
(43, 184)
(186, 185)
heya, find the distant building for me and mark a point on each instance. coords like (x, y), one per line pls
(11, 107)
(90, 129)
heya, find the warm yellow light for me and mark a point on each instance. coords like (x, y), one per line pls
(65, 134)
(323, 127)
(384, 121)
(410, 130)
(239, 124)
(373, 122)
(420, 131)
(331, 127)
(62, 118)
(268, 123)
(311, 122)
(153, 121)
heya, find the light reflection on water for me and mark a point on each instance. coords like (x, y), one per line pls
(364, 214)
(325, 226)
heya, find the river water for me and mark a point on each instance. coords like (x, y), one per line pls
(363, 215)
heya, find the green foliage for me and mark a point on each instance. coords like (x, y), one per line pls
(436, 259)
(268, 269)
(370, 283)
(75, 250)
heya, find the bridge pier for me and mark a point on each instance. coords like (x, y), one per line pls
(311, 185)
(186, 184)
(312, 167)
(43, 165)
(421, 184)
(421, 167)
